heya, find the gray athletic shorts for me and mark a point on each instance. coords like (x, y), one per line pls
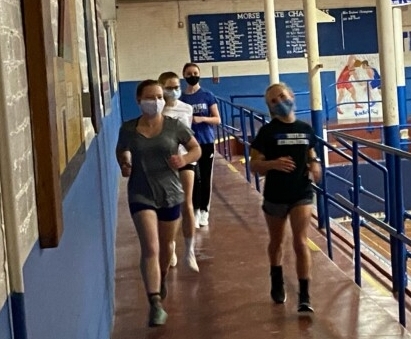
(282, 210)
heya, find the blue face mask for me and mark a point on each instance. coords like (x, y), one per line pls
(283, 108)
(172, 94)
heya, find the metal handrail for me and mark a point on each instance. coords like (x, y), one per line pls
(359, 217)
(395, 227)
(372, 144)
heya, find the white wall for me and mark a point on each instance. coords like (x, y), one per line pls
(3, 277)
(16, 163)
(150, 42)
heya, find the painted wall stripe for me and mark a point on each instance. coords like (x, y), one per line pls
(19, 315)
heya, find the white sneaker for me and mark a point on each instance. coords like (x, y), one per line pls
(203, 218)
(173, 261)
(197, 216)
(191, 262)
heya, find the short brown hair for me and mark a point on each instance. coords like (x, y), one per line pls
(162, 79)
(144, 84)
(190, 64)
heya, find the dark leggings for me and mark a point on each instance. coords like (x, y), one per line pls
(202, 181)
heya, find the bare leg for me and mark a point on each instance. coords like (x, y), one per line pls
(147, 229)
(354, 97)
(187, 180)
(369, 94)
(276, 227)
(339, 99)
(300, 217)
(146, 225)
(166, 233)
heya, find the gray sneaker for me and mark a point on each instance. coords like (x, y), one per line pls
(157, 316)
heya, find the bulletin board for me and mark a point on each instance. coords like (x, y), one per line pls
(103, 59)
(68, 93)
(54, 89)
(242, 36)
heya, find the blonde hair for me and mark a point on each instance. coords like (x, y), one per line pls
(280, 85)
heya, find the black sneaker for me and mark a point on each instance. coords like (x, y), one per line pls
(304, 304)
(277, 291)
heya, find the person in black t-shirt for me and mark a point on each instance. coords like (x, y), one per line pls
(283, 151)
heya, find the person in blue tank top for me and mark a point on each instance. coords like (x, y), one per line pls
(375, 82)
(205, 117)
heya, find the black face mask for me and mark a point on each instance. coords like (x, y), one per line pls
(192, 80)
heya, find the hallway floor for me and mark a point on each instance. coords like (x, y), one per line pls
(230, 298)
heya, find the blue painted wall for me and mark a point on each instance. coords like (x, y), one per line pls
(239, 85)
(69, 290)
(254, 85)
(369, 176)
(408, 86)
(5, 328)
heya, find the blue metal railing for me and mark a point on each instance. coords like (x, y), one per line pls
(249, 118)
(393, 221)
(396, 226)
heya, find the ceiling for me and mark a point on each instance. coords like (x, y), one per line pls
(142, 1)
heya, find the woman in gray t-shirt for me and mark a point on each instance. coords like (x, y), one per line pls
(147, 152)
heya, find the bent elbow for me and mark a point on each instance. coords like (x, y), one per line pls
(198, 153)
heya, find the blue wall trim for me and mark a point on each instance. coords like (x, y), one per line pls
(408, 86)
(5, 326)
(369, 176)
(402, 104)
(129, 108)
(392, 135)
(402, 110)
(252, 85)
(19, 317)
(69, 291)
(240, 85)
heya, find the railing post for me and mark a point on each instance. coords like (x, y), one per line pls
(400, 69)
(355, 216)
(245, 141)
(390, 108)
(221, 108)
(401, 251)
(314, 66)
(325, 202)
